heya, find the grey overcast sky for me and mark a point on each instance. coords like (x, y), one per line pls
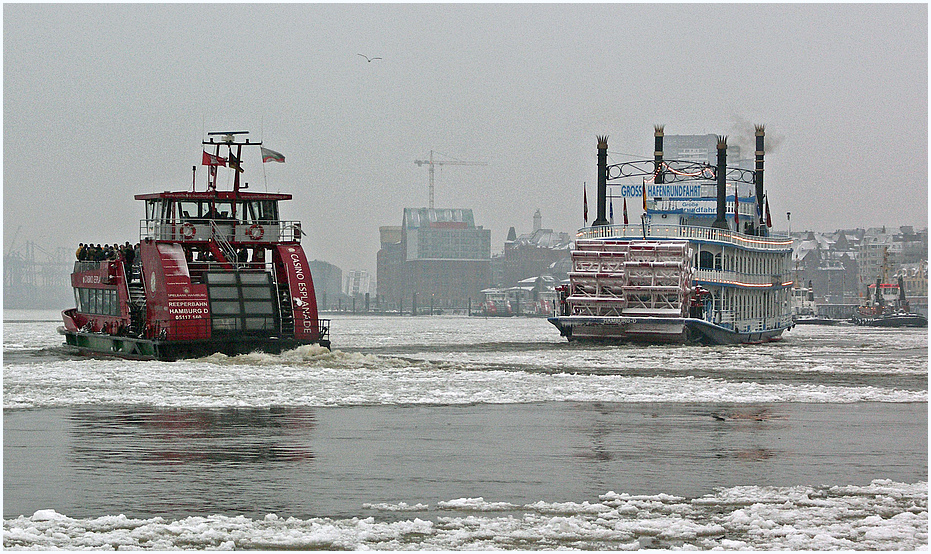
(102, 102)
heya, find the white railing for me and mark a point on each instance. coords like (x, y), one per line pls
(735, 278)
(775, 242)
(203, 230)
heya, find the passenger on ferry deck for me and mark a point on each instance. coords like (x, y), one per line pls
(242, 255)
(80, 252)
(128, 254)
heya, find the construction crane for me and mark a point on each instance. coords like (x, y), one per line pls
(431, 162)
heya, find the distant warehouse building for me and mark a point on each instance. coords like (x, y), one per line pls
(328, 282)
(442, 260)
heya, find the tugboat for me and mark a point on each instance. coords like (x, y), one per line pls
(701, 267)
(214, 271)
(886, 306)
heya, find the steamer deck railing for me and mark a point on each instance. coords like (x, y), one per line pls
(773, 242)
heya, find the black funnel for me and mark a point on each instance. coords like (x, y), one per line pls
(721, 173)
(602, 182)
(758, 175)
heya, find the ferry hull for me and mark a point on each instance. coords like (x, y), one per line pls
(131, 348)
(654, 330)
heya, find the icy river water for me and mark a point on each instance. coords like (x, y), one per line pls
(448, 433)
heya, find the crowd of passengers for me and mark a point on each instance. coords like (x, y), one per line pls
(92, 253)
(129, 253)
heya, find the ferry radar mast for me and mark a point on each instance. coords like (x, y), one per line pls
(227, 138)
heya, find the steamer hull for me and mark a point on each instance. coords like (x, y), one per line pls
(646, 330)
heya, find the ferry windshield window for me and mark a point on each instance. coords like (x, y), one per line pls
(223, 211)
(264, 211)
(152, 209)
(190, 210)
(166, 211)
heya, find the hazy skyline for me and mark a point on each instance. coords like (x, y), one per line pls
(102, 102)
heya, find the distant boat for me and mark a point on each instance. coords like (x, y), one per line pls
(702, 266)
(804, 310)
(887, 306)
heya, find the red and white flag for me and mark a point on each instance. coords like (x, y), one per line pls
(210, 159)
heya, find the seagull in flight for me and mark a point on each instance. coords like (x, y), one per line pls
(368, 59)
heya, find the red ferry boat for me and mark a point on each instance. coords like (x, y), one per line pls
(214, 271)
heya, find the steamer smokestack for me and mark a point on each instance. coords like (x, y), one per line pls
(658, 154)
(602, 181)
(758, 176)
(721, 221)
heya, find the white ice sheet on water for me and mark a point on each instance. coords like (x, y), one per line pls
(883, 515)
(314, 376)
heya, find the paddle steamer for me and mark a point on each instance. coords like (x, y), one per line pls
(702, 265)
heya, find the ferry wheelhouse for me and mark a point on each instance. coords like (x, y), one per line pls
(214, 271)
(700, 267)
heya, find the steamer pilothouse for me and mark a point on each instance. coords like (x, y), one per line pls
(700, 267)
(216, 271)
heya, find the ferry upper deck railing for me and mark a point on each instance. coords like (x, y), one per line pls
(199, 230)
(633, 231)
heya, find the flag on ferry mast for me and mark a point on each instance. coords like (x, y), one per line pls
(769, 221)
(611, 204)
(644, 196)
(235, 164)
(625, 210)
(210, 159)
(271, 156)
(584, 203)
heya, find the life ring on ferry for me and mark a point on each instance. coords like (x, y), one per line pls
(188, 230)
(256, 232)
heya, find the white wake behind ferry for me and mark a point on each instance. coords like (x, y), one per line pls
(700, 267)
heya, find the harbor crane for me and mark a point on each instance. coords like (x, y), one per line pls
(432, 163)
